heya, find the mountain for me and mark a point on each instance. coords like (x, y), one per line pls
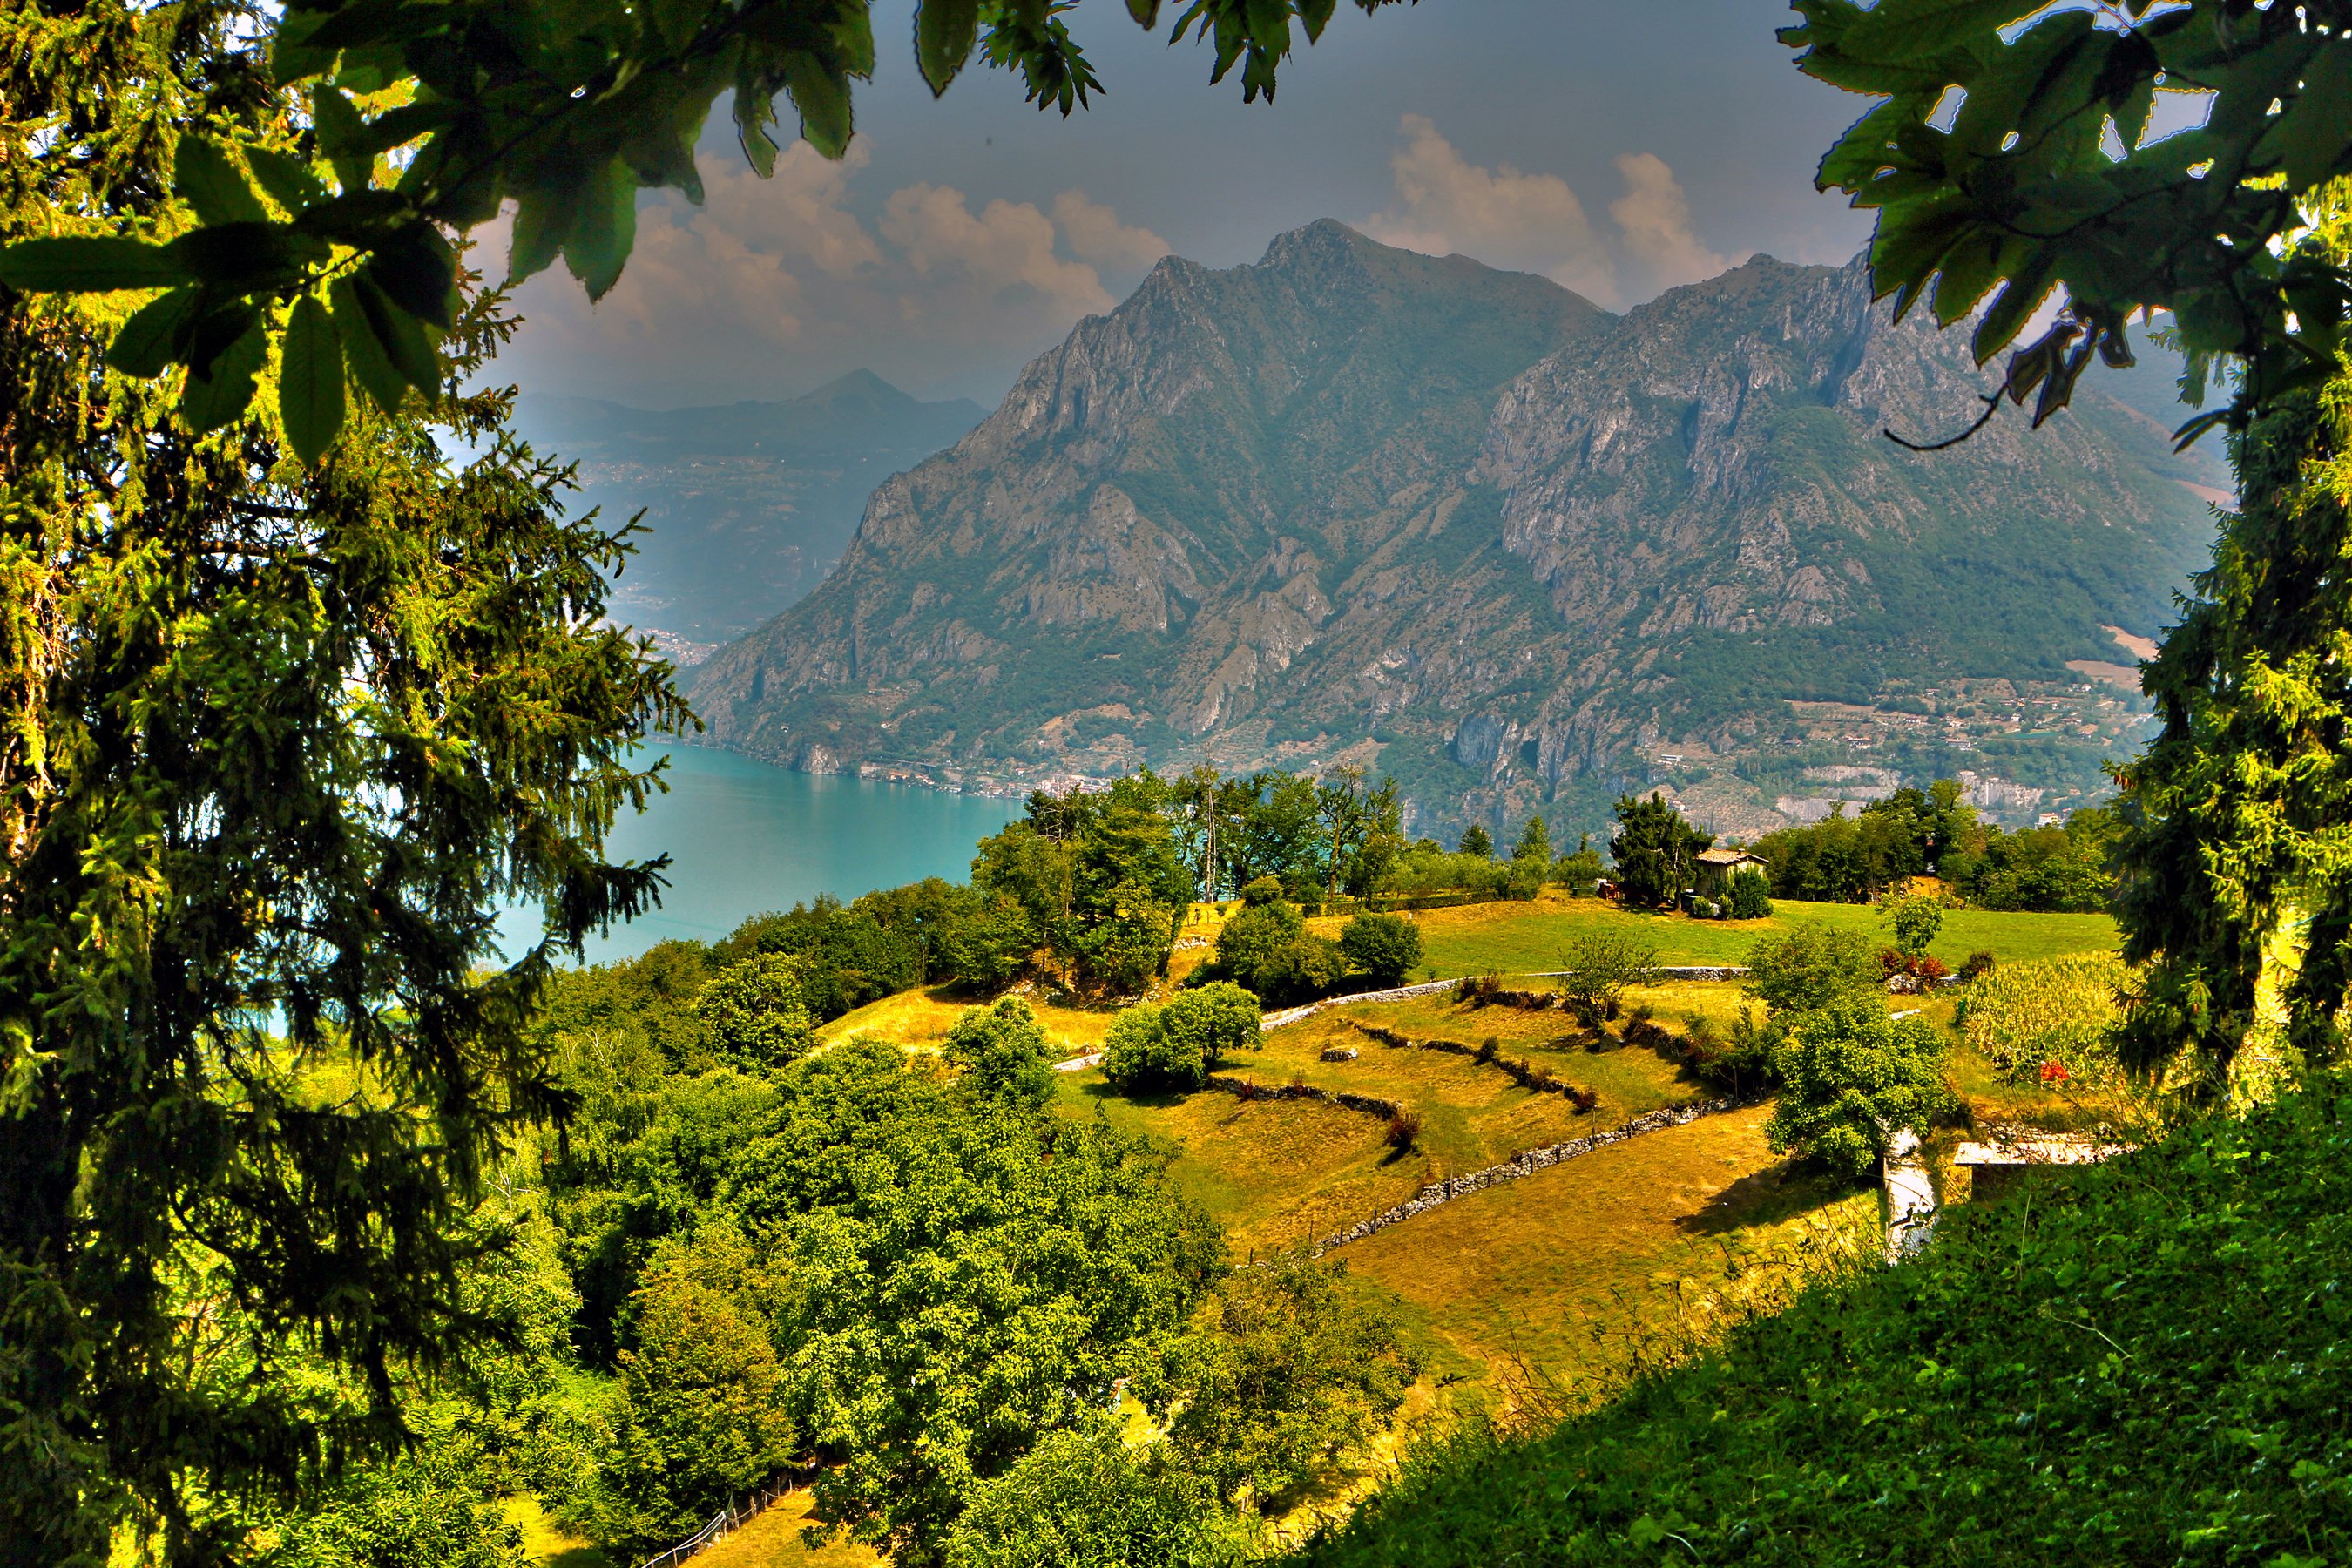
(1355, 504)
(749, 505)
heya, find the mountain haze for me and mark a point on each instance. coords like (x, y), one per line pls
(1354, 503)
(749, 504)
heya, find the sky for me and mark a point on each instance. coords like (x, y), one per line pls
(1616, 147)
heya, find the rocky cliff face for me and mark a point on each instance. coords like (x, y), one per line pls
(1356, 503)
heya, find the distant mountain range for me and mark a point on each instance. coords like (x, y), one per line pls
(749, 504)
(1356, 503)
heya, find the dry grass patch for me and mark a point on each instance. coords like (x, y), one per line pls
(1273, 1172)
(1565, 1272)
(920, 1020)
(773, 1541)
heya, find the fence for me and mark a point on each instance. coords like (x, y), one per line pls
(727, 1520)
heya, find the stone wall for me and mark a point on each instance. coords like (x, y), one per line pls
(1525, 1164)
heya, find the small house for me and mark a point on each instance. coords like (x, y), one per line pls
(1717, 867)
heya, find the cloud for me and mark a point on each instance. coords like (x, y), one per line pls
(1096, 234)
(1655, 216)
(775, 285)
(1529, 223)
(1535, 223)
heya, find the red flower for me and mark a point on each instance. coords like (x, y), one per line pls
(2054, 1072)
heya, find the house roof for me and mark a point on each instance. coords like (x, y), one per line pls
(1729, 857)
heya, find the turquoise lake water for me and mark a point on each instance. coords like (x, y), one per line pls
(744, 838)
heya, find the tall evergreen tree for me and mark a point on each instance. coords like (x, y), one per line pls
(279, 742)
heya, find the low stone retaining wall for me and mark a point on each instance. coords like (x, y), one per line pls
(1370, 1104)
(1402, 994)
(1525, 1164)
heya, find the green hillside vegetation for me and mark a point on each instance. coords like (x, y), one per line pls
(2036, 1387)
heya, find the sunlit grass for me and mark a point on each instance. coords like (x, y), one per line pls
(1563, 1273)
(1519, 938)
(921, 1020)
(546, 1542)
(773, 1541)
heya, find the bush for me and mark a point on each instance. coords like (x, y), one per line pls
(1248, 943)
(1597, 971)
(1852, 1077)
(1000, 1052)
(1384, 949)
(1751, 896)
(1979, 964)
(1262, 892)
(1404, 1128)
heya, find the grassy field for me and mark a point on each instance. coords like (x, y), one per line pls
(773, 1541)
(1525, 938)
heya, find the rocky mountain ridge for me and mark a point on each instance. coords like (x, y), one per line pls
(1355, 504)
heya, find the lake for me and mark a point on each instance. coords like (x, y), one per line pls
(744, 838)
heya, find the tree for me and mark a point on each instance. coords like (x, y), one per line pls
(1810, 967)
(1852, 1075)
(1534, 842)
(1581, 871)
(1197, 822)
(1247, 943)
(1281, 833)
(1657, 850)
(754, 1011)
(568, 113)
(1916, 919)
(280, 741)
(1475, 841)
(1177, 1043)
(700, 1417)
(1295, 1371)
(1001, 1053)
(1339, 806)
(1086, 1499)
(1598, 970)
(2234, 820)
(1383, 949)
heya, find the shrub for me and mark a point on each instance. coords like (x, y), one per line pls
(1598, 970)
(1979, 964)
(1916, 919)
(1489, 1047)
(1262, 892)
(1751, 896)
(1087, 1499)
(1001, 1053)
(1382, 948)
(1582, 1098)
(2051, 1009)
(1404, 1128)
(1248, 944)
(1211, 1021)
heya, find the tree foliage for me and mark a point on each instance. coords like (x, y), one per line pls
(1087, 1499)
(1655, 848)
(1383, 949)
(2047, 177)
(279, 741)
(1851, 1075)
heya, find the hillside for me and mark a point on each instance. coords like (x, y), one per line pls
(749, 504)
(1351, 502)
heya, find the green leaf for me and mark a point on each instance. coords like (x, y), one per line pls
(1316, 14)
(2311, 139)
(1868, 146)
(401, 336)
(945, 32)
(418, 273)
(342, 136)
(204, 177)
(2012, 308)
(146, 344)
(755, 111)
(379, 22)
(1901, 31)
(1147, 11)
(293, 55)
(542, 222)
(1969, 269)
(88, 264)
(602, 229)
(822, 96)
(224, 389)
(363, 350)
(310, 381)
(248, 258)
(289, 180)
